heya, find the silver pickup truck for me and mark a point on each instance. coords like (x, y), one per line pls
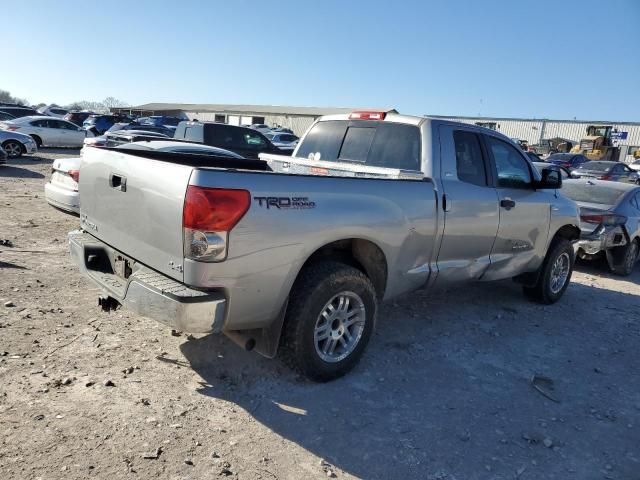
(295, 263)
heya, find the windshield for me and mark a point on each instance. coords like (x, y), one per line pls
(589, 192)
(596, 166)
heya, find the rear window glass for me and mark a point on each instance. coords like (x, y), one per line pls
(377, 144)
(591, 193)
(357, 143)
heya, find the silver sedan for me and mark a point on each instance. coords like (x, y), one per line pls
(609, 221)
(16, 144)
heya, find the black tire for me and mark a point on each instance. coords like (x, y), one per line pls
(316, 286)
(542, 291)
(37, 139)
(13, 148)
(628, 259)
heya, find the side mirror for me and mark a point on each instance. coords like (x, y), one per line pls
(551, 179)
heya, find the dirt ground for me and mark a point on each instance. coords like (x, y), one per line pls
(444, 391)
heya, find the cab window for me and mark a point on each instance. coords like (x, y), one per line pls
(511, 167)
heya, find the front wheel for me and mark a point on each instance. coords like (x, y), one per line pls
(555, 274)
(329, 320)
(13, 148)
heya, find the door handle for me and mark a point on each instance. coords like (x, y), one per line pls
(507, 203)
(118, 182)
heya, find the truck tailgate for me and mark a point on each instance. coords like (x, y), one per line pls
(135, 204)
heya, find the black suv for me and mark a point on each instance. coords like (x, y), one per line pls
(18, 111)
(241, 140)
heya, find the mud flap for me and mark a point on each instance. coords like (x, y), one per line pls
(265, 341)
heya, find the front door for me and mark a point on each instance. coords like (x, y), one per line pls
(524, 212)
(470, 206)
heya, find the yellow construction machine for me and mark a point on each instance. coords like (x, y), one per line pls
(597, 145)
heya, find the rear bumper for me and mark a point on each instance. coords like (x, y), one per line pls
(62, 198)
(601, 240)
(148, 292)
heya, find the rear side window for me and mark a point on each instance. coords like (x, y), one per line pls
(470, 165)
(376, 144)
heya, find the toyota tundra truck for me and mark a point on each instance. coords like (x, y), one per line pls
(291, 256)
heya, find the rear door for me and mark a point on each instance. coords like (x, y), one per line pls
(524, 211)
(43, 129)
(470, 205)
(135, 205)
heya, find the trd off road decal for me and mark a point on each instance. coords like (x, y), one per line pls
(285, 202)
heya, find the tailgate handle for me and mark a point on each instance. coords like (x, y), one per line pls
(118, 182)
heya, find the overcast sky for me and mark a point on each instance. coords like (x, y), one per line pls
(528, 58)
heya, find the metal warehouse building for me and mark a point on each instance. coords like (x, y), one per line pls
(535, 130)
(297, 119)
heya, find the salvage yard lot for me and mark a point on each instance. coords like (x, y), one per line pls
(444, 391)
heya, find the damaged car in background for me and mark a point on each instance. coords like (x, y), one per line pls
(609, 221)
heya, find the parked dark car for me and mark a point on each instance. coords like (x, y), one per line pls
(244, 141)
(160, 121)
(6, 116)
(77, 117)
(99, 124)
(150, 128)
(534, 157)
(18, 111)
(567, 160)
(602, 170)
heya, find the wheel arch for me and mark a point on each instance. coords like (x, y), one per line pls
(565, 232)
(13, 140)
(360, 253)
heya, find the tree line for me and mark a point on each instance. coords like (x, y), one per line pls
(103, 106)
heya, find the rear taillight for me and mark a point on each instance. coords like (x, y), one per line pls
(605, 177)
(209, 215)
(608, 219)
(75, 174)
(367, 116)
(13, 128)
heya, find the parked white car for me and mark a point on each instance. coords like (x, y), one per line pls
(53, 111)
(47, 131)
(15, 144)
(62, 190)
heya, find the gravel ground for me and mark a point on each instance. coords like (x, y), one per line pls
(444, 391)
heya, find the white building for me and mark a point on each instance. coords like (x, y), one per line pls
(535, 129)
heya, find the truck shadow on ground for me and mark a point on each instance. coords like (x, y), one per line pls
(17, 172)
(445, 387)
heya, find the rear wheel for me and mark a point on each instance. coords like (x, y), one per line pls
(628, 259)
(329, 320)
(554, 275)
(13, 148)
(37, 139)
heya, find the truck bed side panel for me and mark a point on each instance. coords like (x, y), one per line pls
(270, 244)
